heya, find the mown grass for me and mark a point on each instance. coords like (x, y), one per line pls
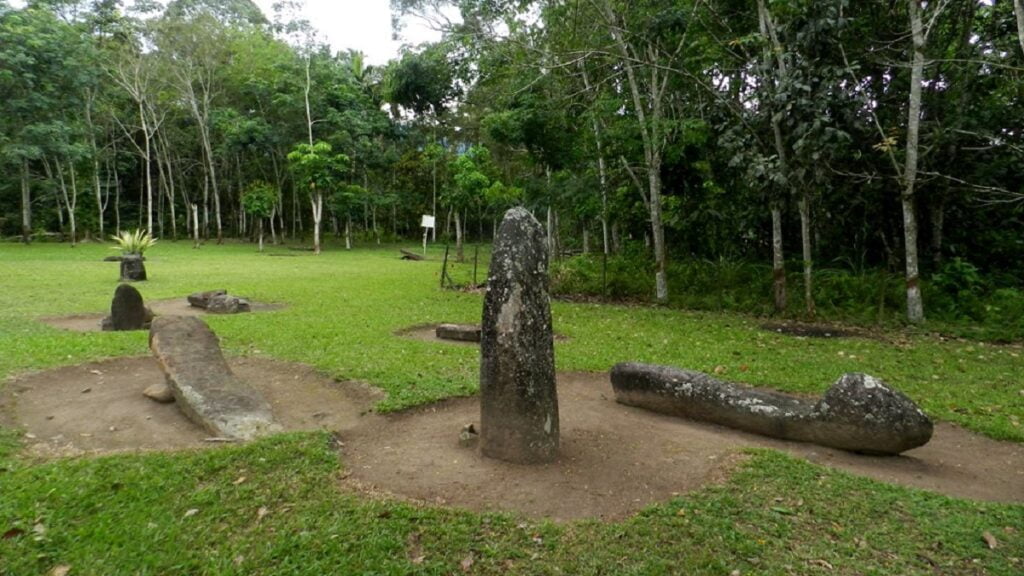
(274, 507)
(778, 515)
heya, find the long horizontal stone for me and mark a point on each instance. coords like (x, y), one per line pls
(858, 413)
(205, 388)
(458, 332)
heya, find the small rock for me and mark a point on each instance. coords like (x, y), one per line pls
(469, 436)
(227, 304)
(161, 393)
(202, 299)
(86, 390)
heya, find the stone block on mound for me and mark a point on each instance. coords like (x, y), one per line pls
(202, 299)
(458, 332)
(204, 386)
(858, 413)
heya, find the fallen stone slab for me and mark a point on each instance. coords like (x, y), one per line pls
(458, 332)
(228, 304)
(204, 386)
(859, 413)
(202, 299)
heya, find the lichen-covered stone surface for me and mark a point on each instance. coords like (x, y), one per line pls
(228, 304)
(133, 269)
(127, 310)
(858, 413)
(202, 299)
(518, 400)
(458, 332)
(204, 386)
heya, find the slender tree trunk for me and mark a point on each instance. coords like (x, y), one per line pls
(778, 260)
(458, 236)
(938, 218)
(318, 209)
(1018, 11)
(586, 239)
(26, 203)
(195, 225)
(261, 234)
(805, 240)
(117, 201)
(348, 232)
(601, 170)
(915, 307)
(309, 87)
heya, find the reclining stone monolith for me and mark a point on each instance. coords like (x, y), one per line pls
(518, 400)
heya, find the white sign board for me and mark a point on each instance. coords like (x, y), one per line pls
(427, 222)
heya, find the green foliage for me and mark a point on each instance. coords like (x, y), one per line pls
(136, 242)
(315, 168)
(258, 199)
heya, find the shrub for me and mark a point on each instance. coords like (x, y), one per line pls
(136, 242)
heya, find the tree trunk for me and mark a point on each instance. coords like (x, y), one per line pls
(26, 204)
(348, 232)
(805, 239)
(261, 234)
(915, 307)
(317, 203)
(1018, 11)
(938, 218)
(195, 225)
(458, 236)
(586, 239)
(778, 260)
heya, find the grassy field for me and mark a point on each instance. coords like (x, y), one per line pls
(128, 514)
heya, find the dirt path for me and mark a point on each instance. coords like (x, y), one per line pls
(170, 307)
(615, 459)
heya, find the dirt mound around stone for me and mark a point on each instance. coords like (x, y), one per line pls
(169, 307)
(428, 333)
(806, 330)
(614, 459)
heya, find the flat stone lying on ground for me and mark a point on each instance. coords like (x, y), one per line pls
(219, 302)
(205, 388)
(518, 399)
(458, 332)
(858, 413)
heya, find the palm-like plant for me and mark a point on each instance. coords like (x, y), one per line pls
(135, 242)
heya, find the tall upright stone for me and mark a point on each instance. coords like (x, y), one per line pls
(127, 310)
(133, 268)
(518, 400)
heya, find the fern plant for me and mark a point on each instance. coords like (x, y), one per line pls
(136, 242)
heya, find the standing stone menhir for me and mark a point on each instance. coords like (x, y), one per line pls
(127, 310)
(518, 400)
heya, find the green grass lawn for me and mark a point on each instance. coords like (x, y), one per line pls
(778, 515)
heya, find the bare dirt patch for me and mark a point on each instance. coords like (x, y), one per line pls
(169, 307)
(428, 333)
(808, 330)
(614, 459)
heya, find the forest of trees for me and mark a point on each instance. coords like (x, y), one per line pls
(801, 134)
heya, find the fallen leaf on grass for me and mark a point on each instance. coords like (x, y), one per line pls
(192, 512)
(61, 570)
(13, 533)
(822, 563)
(240, 480)
(467, 563)
(990, 540)
(261, 513)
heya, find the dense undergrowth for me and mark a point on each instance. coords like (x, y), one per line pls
(959, 300)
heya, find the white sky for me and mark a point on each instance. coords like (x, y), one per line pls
(359, 24)
(363, 25)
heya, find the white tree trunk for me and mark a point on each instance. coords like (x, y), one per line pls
(458, 236)
(317, 203)
(1018, 10)
(26, 204)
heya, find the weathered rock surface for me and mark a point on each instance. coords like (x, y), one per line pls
(204, 386)
(518, 399)
(202, 299)
(458, 332)
(127, 310)
(228, 304)
(161, 393)
(858, 413)
(133, 269)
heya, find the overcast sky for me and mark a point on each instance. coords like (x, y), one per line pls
(360, 24)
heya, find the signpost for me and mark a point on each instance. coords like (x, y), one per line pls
(427, 223)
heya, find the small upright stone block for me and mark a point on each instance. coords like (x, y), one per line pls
(518, 399)
(133, 269)
(127, 310)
